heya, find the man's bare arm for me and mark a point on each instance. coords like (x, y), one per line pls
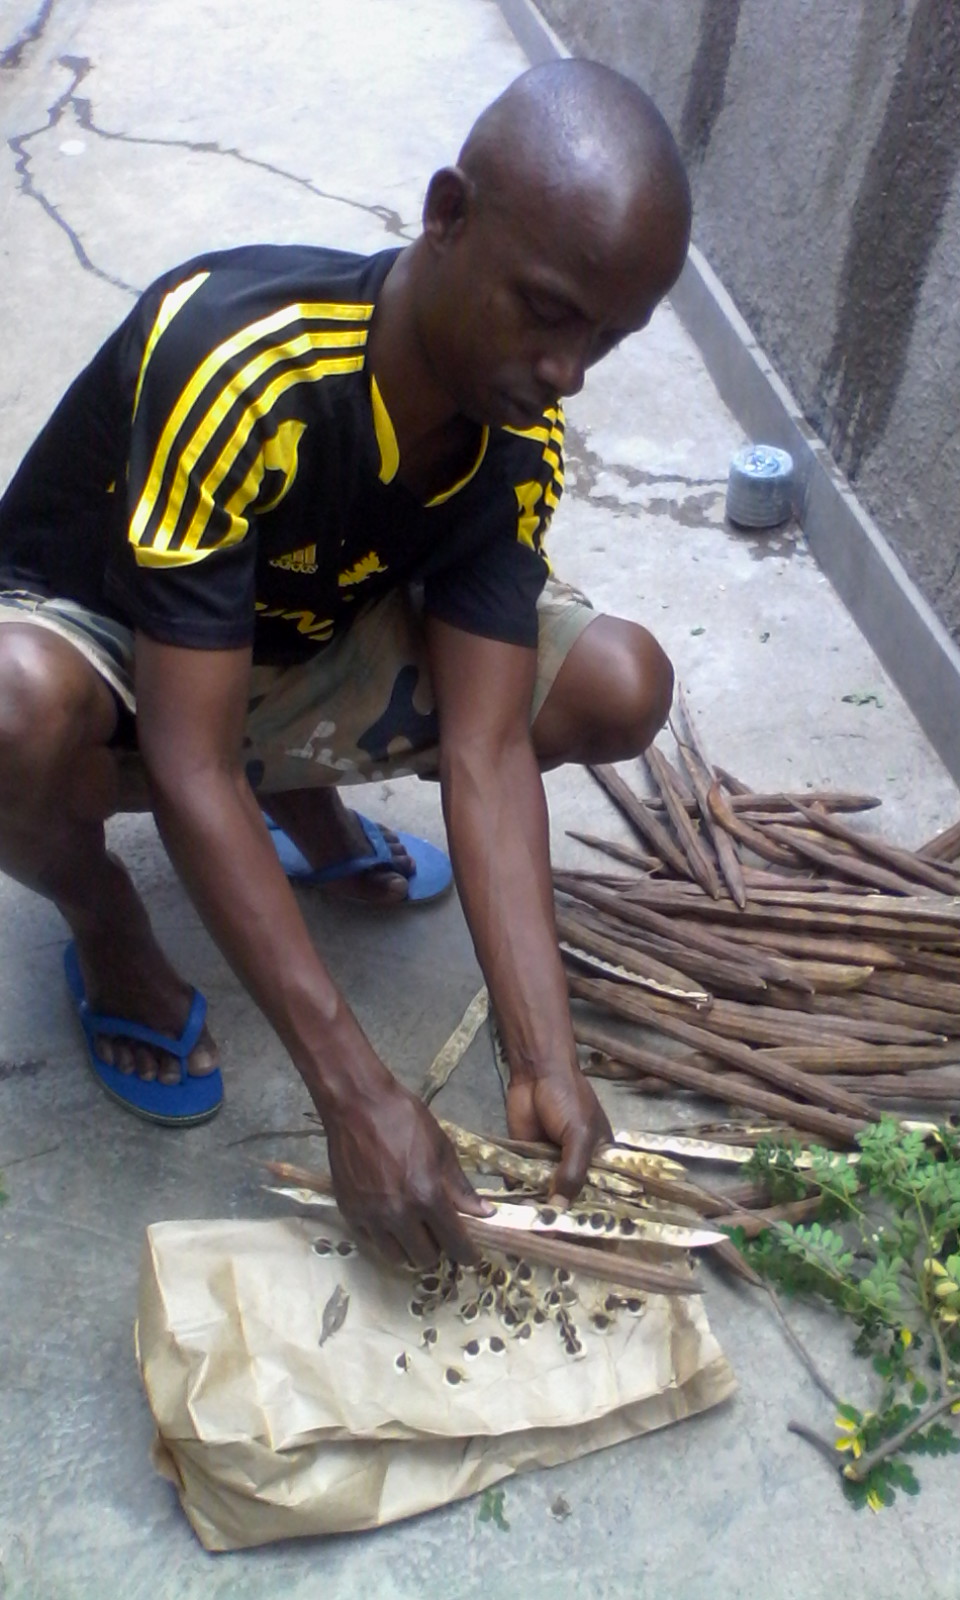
(496, 817)
(396, 1175)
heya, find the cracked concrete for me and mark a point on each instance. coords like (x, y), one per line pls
(152, 132)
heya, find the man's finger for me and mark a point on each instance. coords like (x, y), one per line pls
(450, 1233)
(465, 1198)
(571, 1173)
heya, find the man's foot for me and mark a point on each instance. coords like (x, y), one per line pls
(126, 974)
(326, 832)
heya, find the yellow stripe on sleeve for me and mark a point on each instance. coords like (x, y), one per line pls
(207, 372)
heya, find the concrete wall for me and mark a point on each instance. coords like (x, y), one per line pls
(823, 140)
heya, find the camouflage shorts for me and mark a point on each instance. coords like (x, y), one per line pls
(361, 710)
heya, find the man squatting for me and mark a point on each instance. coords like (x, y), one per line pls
(300, 497)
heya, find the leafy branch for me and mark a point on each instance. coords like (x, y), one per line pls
(890, 1261)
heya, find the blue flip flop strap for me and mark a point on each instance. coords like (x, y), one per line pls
(381, 856)
(118, 1027)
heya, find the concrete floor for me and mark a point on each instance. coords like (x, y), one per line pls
(138, 135)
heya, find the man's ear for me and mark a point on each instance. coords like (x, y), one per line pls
(447, 206)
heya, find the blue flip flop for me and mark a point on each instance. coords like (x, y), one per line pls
(432, 875)
(176, 1105)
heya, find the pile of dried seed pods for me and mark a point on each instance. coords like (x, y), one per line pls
(769, 955)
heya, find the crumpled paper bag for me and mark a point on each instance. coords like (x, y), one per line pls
(274, 1421)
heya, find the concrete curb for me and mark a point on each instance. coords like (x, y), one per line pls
(888, 608)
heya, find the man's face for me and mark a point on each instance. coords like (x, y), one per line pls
(528, 295)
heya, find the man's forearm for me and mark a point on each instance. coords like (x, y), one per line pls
(220, 847)
(496, 816)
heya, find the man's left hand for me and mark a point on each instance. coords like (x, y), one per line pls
(559, 1108)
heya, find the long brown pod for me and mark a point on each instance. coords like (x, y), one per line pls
(753, 838)
(641, 818)
(575, 931)
(904, 862)
(932, 1087)
(847, 866)
(944, 846)
(653, 921)
(782, 1075)
(854, 1057)
(819, 947)
(757, 1024)
(623, 1270)
(694, 758)
(916, 990)
(783, 802)
(730, 977)
(827, 1125)
(874, 1008)
(619, 852)
(754, 1222)
(700, 865)
(914, 917)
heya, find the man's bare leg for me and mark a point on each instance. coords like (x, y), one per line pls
(58, 783)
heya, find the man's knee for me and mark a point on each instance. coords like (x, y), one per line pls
(52, 703)
(611, 697)
(638, 690)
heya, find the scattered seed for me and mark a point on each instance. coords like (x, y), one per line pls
(322, 1247)
(453, 1376)
(524, 1272)
(627, 1227)
(547, 1215)
(634, 1305)
(402, 1363)
(470, 1312)
(346, 1247)
(563, 1275)
(430, 1283)
(524, 1331)
(601, 1321)
(428, 1337)
(496, 1345)
(417, 1308)
(471, 1348)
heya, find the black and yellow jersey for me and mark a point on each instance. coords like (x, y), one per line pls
(225, 472)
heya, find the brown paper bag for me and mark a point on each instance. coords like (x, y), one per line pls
(298, 1389)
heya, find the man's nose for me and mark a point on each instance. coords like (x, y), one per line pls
(562, 371)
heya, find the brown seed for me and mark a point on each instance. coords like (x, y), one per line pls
(428, 1337)
(323, 1247)
(346, 1248)
(402, 1362)
(470, 1312)
(471, 1348)
(417, 1308)
(453, 1376)
(496, 1345)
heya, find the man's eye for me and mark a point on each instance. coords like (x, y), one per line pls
(546, 312)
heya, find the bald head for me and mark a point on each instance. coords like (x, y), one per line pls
(589, 140)
(564, 223)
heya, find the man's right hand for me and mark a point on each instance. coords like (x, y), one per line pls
(398, 1181)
